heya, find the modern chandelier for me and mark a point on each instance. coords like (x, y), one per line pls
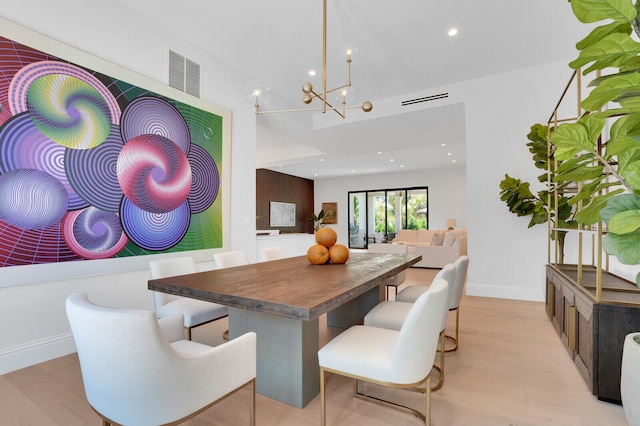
(257, 92)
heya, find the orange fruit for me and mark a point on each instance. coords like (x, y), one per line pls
(318, 254)
(326, 236)
(338, 253)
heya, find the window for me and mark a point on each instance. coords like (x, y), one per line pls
(375, 216)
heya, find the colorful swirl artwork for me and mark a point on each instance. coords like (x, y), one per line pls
(92, 167)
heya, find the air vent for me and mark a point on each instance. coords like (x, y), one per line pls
(425, 99)
(184, 74)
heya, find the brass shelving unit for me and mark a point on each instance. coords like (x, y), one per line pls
(590, 308)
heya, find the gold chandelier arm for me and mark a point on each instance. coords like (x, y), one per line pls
(324, 54)
(309, 109)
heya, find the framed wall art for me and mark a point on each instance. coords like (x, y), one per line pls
(282, 214)
(330, 213)
(98, 162)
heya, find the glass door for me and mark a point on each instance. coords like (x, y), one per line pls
(376, 216)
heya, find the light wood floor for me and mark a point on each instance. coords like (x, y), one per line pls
(510, 369)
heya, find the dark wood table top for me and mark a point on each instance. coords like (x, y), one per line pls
(290, 287)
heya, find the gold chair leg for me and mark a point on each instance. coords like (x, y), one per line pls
(323, 402)
(427, 413)
(252, 412)
(441, 367)
(455, 339)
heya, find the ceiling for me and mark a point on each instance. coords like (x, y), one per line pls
(403, 48)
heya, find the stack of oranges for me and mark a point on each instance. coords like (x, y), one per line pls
(326, 250)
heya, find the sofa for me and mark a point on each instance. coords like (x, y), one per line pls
(443, 247)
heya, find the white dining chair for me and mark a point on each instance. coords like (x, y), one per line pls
(392, 315)
(394, 358)
(138, 370)
(195, 312)
(398, 279)
(229, 259)
(272, 253)
(410, 293)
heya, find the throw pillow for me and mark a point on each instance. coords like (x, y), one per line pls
(437, 239)
(449, 239)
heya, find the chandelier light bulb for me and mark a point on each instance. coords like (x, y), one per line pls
(307, 87)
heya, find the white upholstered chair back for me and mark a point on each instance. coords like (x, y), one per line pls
(272, 253)
(448, 273)
(461, 265)
(133, 375)
(229, 259)
(416, 346)
(170, 267)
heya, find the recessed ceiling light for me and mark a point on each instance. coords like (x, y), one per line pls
(322, 159)
(401, 166)
(453, 161)
(443, 144)
(452, 32)
(353, 171)
(312, 73)
(448, 153)
(392, 160)
(379, 152)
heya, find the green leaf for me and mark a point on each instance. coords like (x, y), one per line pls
(613, 51)
(617, 111)
(631, 175)
(632, 65)
(590, 188)
(625, 222)
(624, 135)
(597, 81)
(571, 138)
(611, 89)
(601, 32)
(625, 247)
(618, 204)
(627, 159)
(591, 213)
(579, 174)
(538, 133)
(622, 145)
(588, 11)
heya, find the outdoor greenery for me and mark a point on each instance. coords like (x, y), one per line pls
(415, 218)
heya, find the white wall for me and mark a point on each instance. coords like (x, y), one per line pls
(506, 258)
(33, 324)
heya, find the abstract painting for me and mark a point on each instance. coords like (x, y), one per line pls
(94, 167)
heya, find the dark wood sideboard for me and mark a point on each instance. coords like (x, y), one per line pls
(592, 331)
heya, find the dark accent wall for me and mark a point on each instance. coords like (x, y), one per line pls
(274, 186)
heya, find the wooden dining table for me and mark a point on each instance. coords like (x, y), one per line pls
(281, 301)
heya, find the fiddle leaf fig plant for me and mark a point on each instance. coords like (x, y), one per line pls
(601, 151)
(522, 202)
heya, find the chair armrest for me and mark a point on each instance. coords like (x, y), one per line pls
(213, 373)
(172, 327)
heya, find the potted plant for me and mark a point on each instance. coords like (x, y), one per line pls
(522, 202)
(317, 220)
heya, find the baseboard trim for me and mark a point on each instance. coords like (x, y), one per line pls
(34, 352)
(501, 292)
